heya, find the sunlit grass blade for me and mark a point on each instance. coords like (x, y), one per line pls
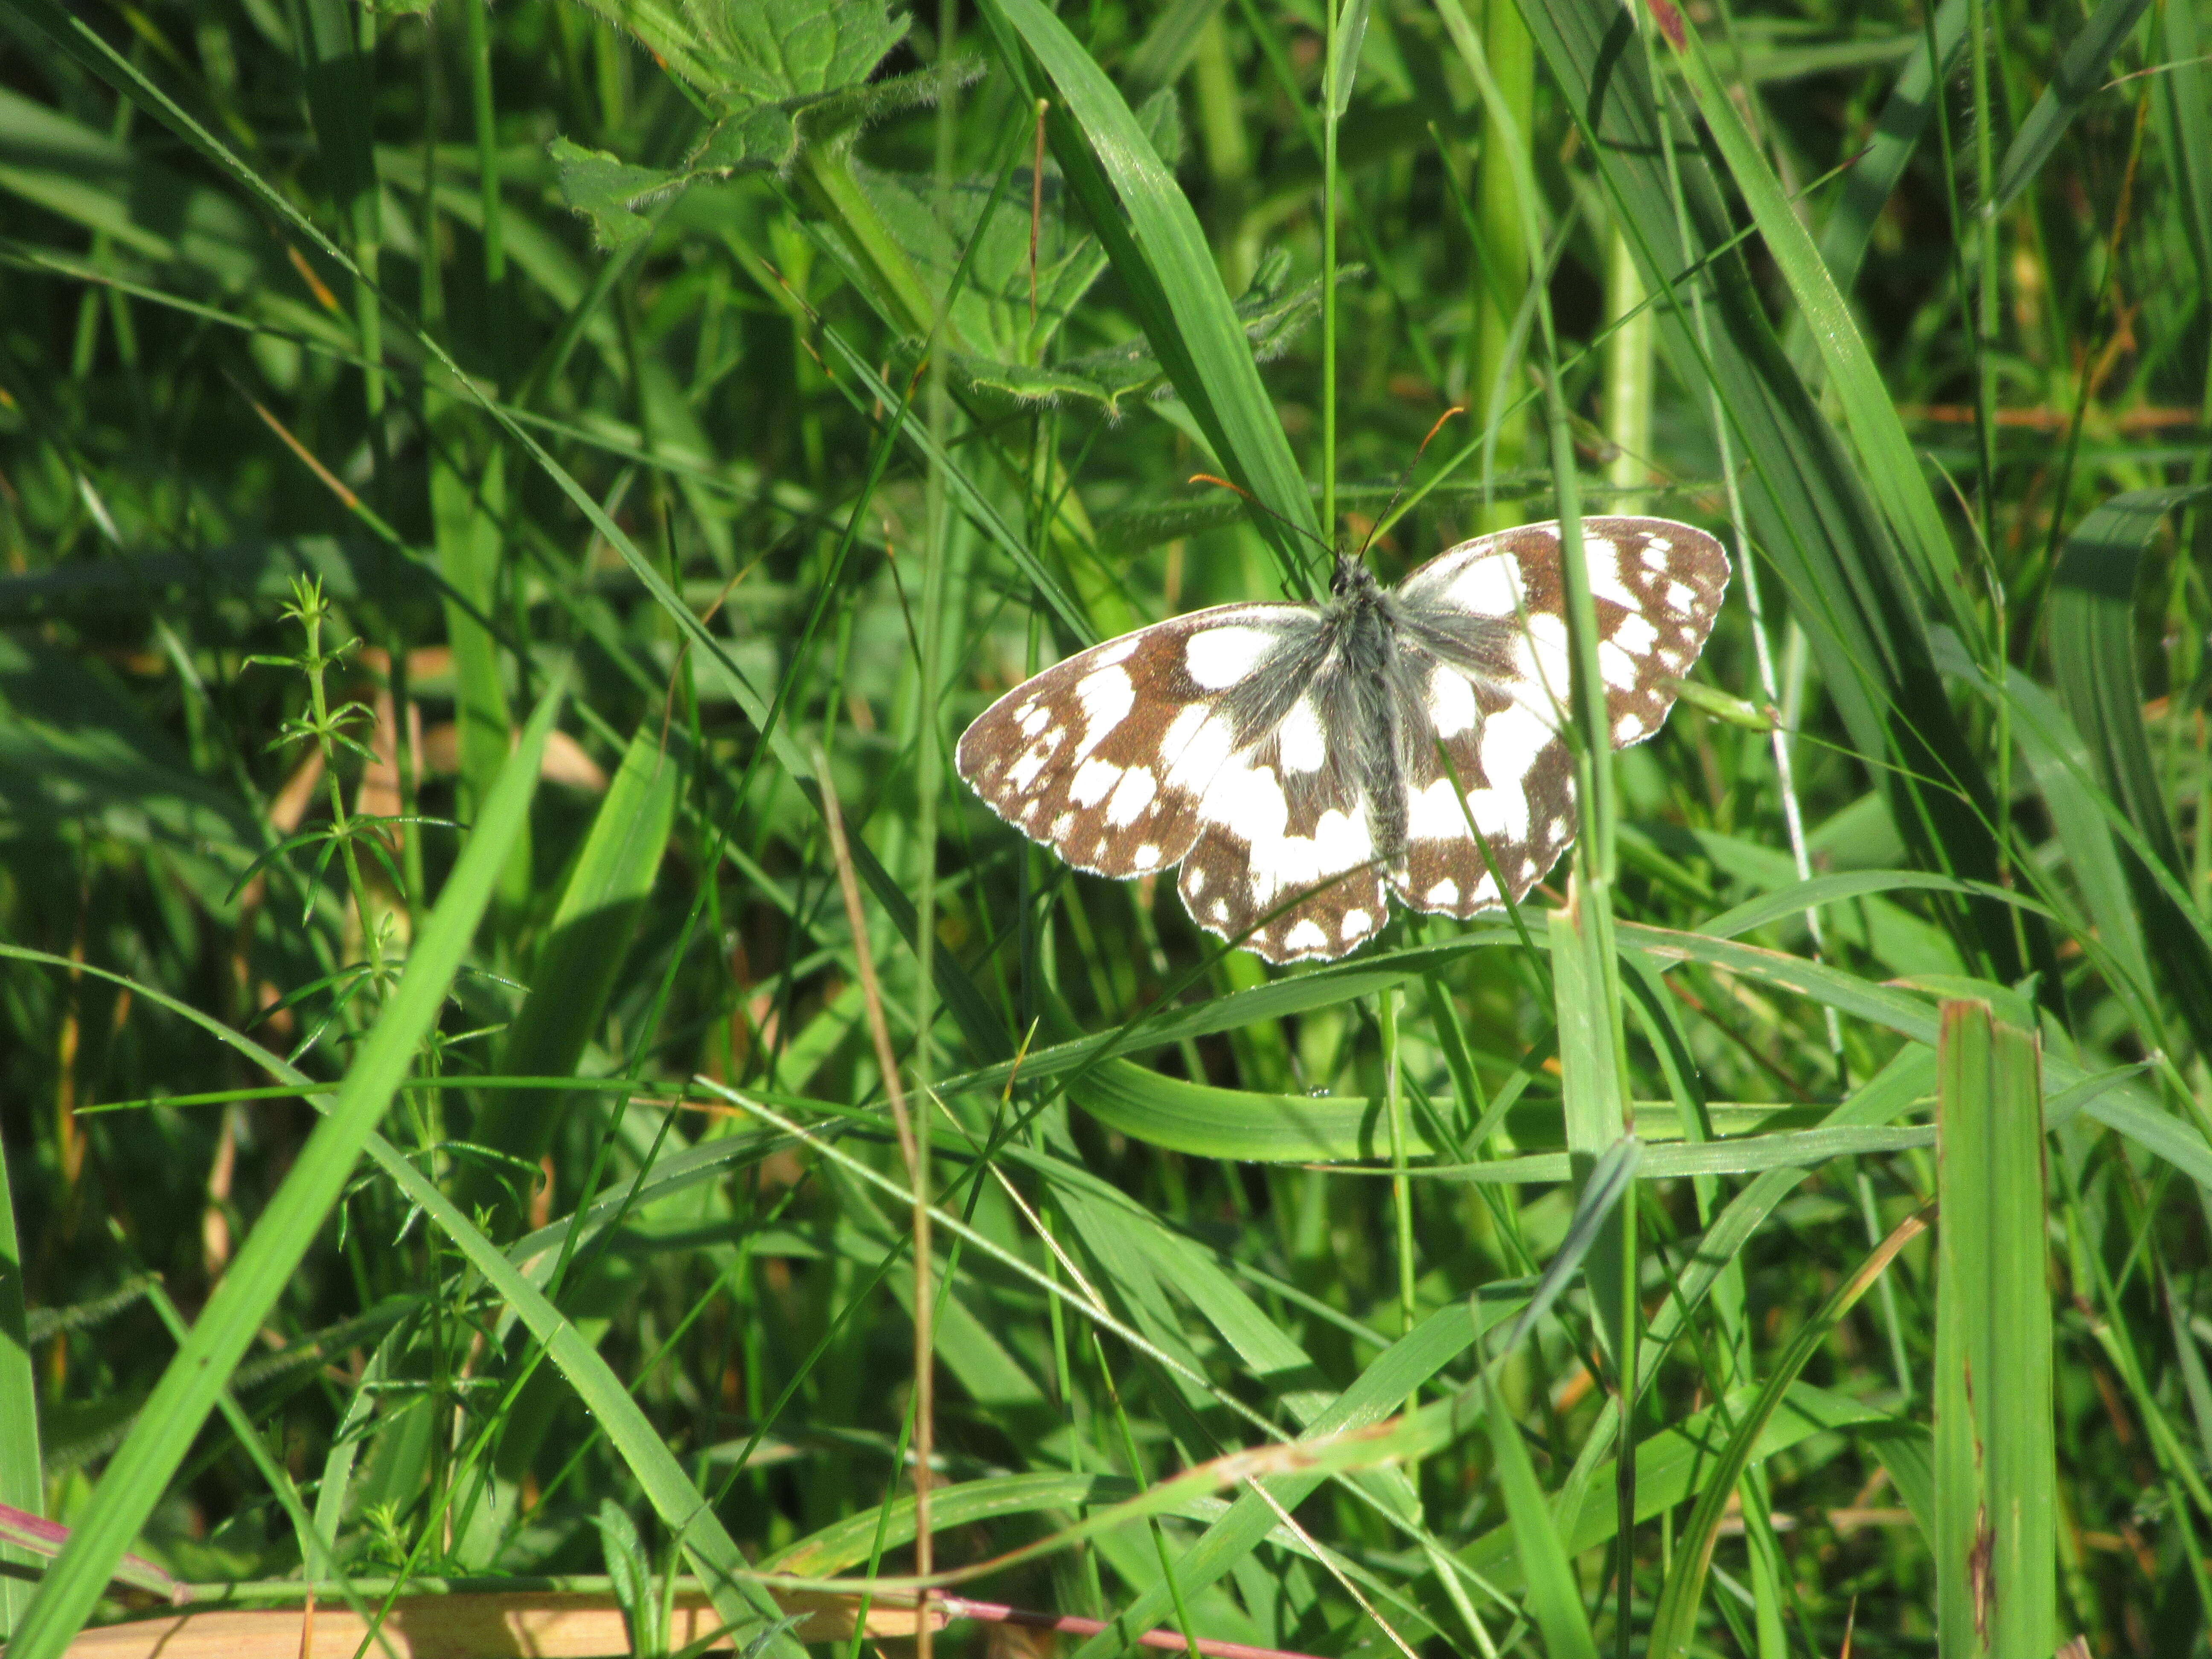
(1554, 1596)
(1808, 505)
(139, 1473)
(1995, 1524)
(1889, 466)
(22, 1486)
(1164, 260)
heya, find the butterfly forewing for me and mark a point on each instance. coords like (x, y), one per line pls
(1491, 613)
(1105, 757)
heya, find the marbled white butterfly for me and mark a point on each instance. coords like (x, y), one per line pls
(1287, 755)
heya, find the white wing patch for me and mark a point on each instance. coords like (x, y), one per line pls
(1219, 658)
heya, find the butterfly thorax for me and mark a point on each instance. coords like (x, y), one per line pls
(1359, 689)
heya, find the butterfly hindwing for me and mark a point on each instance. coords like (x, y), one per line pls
(1105, 757)
(1293, 836)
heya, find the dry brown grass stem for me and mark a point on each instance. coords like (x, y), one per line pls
(925, 1392)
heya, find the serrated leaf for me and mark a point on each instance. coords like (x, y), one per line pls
(791, 72)
(764, 137)
(609, 191)
(991, 308)
(773, 51)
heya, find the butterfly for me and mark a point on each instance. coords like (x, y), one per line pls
(1302, 761)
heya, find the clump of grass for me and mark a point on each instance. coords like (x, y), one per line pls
(696, 416)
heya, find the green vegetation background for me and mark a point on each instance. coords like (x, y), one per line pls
(484, 495)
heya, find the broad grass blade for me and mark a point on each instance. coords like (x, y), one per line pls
(2093, 650)
(1995, 1524)
(584, 951)
(1593, 1098)
(139, 1473)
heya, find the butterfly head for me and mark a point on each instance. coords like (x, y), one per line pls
(1353, 580)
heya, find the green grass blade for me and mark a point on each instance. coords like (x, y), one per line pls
(1593, 1096)
(2067, 778)
(139, 1474)
(2093, 649)
(1554, 1597)
(1996, 1520)
(2187, 91)
(21, 1484)
(1671, 1466)
(1809, 508)
(2080, 76)
(465, 519)
(658, 1475)
(1874, 176)
(1674, 1622)
(1889, 466)
(585, 948)
(1194, 331)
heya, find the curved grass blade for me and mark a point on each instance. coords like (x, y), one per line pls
(584, 950)
(1163, 257)
(2093, 650)
(2081, 75)
(139, 1474)
(1674, 1623)
(1801, 896)
(2127, 1105)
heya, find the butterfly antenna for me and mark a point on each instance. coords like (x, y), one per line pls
(1406, 477)
(1250, 500)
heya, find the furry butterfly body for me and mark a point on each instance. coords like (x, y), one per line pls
(1303, 763)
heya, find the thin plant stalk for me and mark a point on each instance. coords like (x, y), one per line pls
(1331, 79)
(911, 1146)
